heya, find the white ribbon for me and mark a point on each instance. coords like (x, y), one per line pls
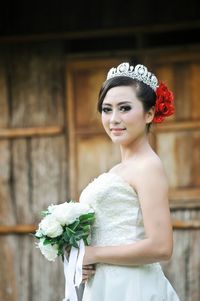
(73, 271)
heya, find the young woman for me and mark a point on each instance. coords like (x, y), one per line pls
(132, 231)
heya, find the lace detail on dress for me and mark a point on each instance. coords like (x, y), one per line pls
(117, 211)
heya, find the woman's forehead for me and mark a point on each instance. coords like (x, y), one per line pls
(121, 93)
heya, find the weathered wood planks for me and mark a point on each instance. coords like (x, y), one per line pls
(33, 168)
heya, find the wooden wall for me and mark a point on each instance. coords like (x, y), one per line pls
(33, 167)
(49, 134)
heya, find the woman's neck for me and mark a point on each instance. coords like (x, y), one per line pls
(134, 149)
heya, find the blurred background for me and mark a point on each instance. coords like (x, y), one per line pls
(53, 58)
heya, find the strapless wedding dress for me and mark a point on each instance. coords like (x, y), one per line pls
(119, 221)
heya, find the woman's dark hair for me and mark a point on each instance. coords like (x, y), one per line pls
(143, 92)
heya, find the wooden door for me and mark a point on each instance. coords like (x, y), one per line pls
(177, 141)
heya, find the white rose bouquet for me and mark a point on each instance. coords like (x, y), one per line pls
(66, 226)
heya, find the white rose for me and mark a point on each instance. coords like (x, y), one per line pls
(50, 226)
(67, 213)
(50, 252)
(51, 208)
(84, 208)
(64, 213)
(80, 209)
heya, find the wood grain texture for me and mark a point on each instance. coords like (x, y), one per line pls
(21, 188)
(182, 91)
(196, 158)
(165, 144)
(191, 125)
(87, 84)
(91, 150)
(4, 104)
(11, 133)
(18, 229)
(28, 275)
(7, 205)
(183, 269)
(35, 84)
(8, 276)
(180, 154)
(49, 173)
(195, 92)
(33, 168)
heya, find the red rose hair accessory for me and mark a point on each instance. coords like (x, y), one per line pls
(164, 103)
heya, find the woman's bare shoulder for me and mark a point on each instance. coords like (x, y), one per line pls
(151, 172)
(147, 169)
(144, 169)
(152, 161)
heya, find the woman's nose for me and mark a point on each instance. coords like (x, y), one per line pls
(115, 117)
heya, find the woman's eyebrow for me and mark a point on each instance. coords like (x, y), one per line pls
(120, 103)
(124, 102)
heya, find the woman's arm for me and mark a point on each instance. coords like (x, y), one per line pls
(152, 189)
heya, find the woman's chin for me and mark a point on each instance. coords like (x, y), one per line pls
(118, 140)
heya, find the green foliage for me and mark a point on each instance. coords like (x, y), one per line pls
(45, 213)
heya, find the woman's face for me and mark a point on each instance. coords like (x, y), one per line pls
(123, 116)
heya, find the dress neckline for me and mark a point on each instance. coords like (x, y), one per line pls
(122, 181)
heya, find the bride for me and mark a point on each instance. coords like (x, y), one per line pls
(132, 232)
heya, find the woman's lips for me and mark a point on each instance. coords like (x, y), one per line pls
(117, 130)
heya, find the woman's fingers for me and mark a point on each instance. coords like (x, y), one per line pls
(89, 267)
(88, 271)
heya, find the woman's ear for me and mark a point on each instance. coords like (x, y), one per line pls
(150, 115)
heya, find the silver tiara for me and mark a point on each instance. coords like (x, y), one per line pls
(140, 73)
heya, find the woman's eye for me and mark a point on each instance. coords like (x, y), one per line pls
(125, 108)
(106, 110)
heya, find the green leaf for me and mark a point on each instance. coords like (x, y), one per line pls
(86, 216)
(66, 236)
(61, 245)
(73, 242)
(85, 241)
(79, 236)
(45, 213)
(74, 225)
(86, 228)
(47, 241)
(69, 231)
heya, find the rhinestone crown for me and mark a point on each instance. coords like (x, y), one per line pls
(140, 73)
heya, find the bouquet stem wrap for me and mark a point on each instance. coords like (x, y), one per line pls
(73, 271)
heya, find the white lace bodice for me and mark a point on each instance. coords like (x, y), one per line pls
(119, 221)
(118, 217)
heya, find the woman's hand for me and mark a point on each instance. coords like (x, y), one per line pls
(88, 271)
